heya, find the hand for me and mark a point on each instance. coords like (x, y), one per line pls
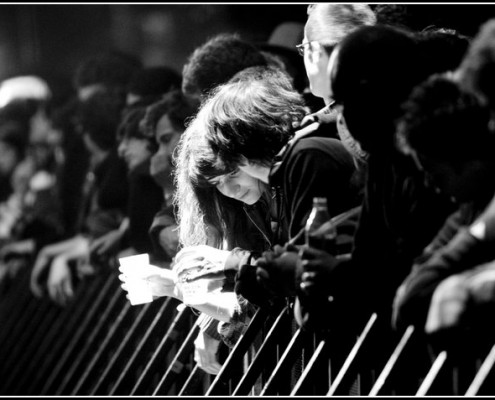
(481, 285)
(107, 244)
(277, 271)
(59, 282)
(448, 304)
(41, 264)
(160, 280)
(316, 269)
(205, 353)
(211, 262)
(249, 287)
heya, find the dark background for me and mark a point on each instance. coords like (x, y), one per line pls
(49, 40)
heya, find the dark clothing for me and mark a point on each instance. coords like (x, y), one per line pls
(5, 187)
(145, 200)
(399, 218)
(71, 173)
(311, 167)
(453, 250)
(106, 195)
(326, 120)
(164, 218)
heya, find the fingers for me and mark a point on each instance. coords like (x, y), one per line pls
(60, 292)
(291, 247)
(187, 252)
(95, 245)
(123, 279)
(214, 274)
(35, 287)
(69, 288)
(277, 249)
(310, 253)
(38, 268)
(262, 276)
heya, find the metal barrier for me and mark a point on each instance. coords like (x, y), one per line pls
(100, 345)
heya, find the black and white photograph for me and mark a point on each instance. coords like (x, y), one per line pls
(247, 199)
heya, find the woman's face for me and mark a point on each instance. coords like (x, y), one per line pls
(240, 186)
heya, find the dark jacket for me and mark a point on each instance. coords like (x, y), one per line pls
(312, 166)
(399, 218)
(145, 200)
(453, 250)
(308, 166)
(106, 197)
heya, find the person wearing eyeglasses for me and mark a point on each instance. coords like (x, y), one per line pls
(327, 25)
(371, 71)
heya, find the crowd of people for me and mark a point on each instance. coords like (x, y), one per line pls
(213, 172)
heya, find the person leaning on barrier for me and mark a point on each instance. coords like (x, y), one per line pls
(205, 217)
(450, 288)
(105, 198)
(327, 24)
(211, 64)
(372, 70)
(203, 176)
(296, 165)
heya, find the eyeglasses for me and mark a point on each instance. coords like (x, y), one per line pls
(301, 47)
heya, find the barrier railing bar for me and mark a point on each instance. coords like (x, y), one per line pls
(43, 343)
(60, 334)
(21, 363)
(90, 342)
(249, 378)
(16, 298)
(12, 341)
(240, 348)
(179, 322)
(196, 377)
(432, 374)
(350, 360)
(100, 351)
(115, 362)
(482, 374)
(18, 341)
(392, 361)
(309, 369)
(177, 365)
(76, 337)
(155, 328)
(286, 361)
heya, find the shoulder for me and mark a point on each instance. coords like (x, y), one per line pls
(326, 145)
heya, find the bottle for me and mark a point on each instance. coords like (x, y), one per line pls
(321, 234)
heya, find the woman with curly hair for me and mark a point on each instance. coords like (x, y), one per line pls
(249, 128)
